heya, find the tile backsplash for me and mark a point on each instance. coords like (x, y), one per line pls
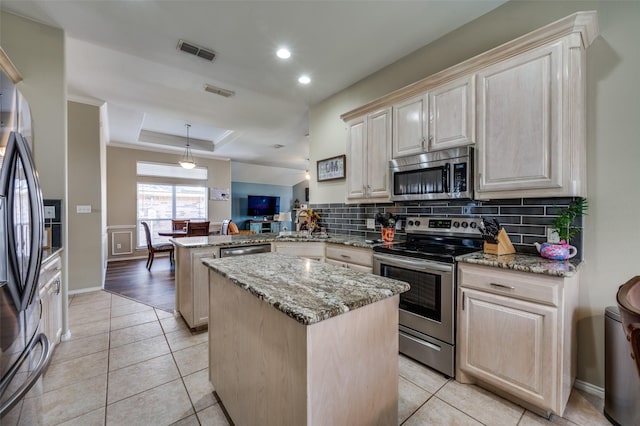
(525, 219)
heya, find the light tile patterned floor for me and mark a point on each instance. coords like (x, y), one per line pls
(130, 364)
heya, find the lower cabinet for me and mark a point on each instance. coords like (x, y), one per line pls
(51, 299)
(358, 259)
(516, 334)
(192, 281)
(314, 251)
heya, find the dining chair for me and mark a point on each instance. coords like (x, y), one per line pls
(197, 229)
(179, 224)
(153, 248)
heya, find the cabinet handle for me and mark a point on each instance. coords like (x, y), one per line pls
(463, 300)
(344, 256)
(58, 286)
(508, 287)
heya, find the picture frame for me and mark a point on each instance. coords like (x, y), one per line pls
(331, 168)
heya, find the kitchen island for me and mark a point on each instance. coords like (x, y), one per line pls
(294, 341)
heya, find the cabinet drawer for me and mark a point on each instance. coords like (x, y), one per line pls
(522, 285)
(352, 266)
(49, 270)
(350, 254)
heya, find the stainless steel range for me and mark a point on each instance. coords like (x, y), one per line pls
(427, 262)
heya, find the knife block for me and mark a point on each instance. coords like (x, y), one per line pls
(503, 246)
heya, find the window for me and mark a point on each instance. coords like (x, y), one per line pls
(159, 203)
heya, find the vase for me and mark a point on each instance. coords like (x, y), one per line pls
(388, 234)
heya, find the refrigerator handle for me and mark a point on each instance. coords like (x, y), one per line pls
(33, 376)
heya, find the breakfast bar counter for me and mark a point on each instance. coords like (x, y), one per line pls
(296, 341)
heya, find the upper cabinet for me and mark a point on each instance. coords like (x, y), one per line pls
(443, 117)
(368, 155)
(531, 139)
(452, 114)
(410, 126)
(521, 103)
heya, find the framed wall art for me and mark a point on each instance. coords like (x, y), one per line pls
(331, 168)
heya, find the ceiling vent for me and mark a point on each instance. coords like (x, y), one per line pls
(218, 91)
(198, 51)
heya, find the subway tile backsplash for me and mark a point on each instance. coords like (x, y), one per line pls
(526, 219)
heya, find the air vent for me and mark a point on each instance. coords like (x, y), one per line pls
(198, 51)
(218, 91)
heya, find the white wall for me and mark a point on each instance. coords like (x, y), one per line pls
(612, 234)
(253, 173)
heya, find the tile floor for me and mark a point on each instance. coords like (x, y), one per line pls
(130, 364)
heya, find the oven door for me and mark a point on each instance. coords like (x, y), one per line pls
(423, 181)
(428, 307)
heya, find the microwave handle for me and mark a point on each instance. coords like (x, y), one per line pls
(446, 172)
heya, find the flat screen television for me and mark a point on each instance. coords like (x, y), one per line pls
(263, 205)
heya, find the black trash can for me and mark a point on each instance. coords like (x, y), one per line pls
(621, 379)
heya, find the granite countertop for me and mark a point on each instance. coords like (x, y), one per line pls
(250, 239)
(306, 290)
(523, 262)
(49, 253)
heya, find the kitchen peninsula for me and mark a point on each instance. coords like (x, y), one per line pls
(296, 341)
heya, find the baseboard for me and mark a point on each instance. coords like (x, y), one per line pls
(84, 290)
(589, 388)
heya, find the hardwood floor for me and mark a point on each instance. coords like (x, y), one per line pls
(130, 278)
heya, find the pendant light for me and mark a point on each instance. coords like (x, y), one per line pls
(187, 159)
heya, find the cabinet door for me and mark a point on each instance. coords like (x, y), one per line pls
(452, 114)
(275, 227)
(256, 227)
(519, 143)
(356, 154)
(409, 126)
(55, 309)
(511, 344)
(379, 141)
(200, 282)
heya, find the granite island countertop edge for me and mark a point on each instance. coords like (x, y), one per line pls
(239, 240)
(309, 291)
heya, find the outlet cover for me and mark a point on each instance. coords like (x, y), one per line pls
(83, 209)
(552, 236)
(371, 224)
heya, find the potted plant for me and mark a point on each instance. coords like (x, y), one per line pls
(564, 228)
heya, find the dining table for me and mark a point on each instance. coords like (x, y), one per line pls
(175, 234)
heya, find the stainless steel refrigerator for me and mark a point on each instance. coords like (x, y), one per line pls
(24, 349)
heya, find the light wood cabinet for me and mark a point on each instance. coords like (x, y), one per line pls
(531, 124)
(192, 279)
(516, 334)
(356, 258)
(452, 114)
(51, 299)
(312, 250)
(444, 117)
(410, 126)
(368, 155)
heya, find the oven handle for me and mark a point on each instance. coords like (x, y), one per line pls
(421, 264)
(421, 342)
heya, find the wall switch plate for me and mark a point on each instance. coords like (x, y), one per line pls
(371, 224)
(552, 236)
(398, 225)
(83, 209)
(49, 212)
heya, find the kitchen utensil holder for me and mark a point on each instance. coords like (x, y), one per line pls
(503, 245)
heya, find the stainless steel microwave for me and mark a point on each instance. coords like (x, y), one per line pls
(437, 175)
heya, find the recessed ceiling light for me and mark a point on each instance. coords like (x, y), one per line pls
(304, 79)
(283, 53)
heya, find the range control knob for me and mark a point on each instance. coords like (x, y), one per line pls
(465, 224)
(456, 224)
(417, 223)
(410, 223)
(473, 225)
